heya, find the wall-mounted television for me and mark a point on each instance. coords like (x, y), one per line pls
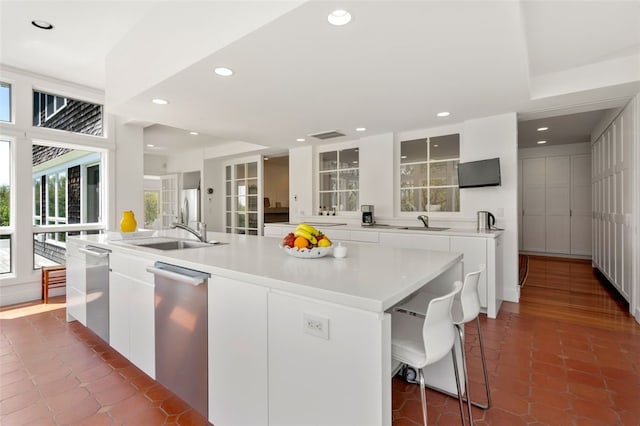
(475, 174)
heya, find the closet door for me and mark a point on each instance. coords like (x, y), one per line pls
(558, 204)
(581, 204)
(533, 204)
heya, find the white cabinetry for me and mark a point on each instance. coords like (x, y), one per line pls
(132, 311)
(406, 240)
(238, 370)
(76, 283)
(475, 254)
(612, 186)
(556, 204)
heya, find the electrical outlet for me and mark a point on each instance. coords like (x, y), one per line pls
(316, 326)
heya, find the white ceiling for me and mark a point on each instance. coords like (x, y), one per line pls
(391, 69)
(562, 129)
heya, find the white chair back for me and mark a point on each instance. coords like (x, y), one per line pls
(466, 305)
(438, 332)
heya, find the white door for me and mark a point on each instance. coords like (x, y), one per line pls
(533, 204)
(558, 204)
(169, 200)
(581, 204)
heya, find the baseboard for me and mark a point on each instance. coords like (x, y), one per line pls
(557, 255)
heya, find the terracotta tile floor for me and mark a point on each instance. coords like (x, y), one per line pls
(552, 361)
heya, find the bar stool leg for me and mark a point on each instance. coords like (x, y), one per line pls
(423, 397)
(455, 370)
(464, 370)
(484, 368)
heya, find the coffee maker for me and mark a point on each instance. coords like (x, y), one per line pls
(367, 215)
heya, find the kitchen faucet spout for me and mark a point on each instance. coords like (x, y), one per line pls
(202, 235)
(425, 220)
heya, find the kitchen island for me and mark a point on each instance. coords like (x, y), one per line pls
(291, 341)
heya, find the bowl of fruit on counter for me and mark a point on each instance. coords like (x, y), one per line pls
(306, 242)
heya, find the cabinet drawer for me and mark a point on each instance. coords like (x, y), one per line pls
(132, 267)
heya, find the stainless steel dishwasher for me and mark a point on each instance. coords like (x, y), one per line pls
(181, 332)
(97, 276)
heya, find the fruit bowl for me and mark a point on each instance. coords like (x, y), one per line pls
(305, 253)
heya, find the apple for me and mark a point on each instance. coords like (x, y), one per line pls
(288, 240)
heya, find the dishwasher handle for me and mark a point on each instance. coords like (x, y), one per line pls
(175, 276)
(93, 253)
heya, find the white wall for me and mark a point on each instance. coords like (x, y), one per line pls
(213, 204)
(301, 172)
(377, 174)
(129, 175)
(491, 137)
(155, 165)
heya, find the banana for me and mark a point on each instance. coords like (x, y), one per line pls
(308, 228)
(307, 235)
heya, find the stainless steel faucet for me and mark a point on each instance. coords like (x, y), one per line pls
(425, 220)
(202, 235)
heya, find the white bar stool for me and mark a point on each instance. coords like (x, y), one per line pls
(419, 342)
(466, 308)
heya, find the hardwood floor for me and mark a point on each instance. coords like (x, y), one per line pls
(572, 291)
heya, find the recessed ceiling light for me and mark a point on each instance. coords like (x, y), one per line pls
(436, 145)
(355, 161)
(443, 114)
(339, 17)
(150, 145)
(541, 142)
(158, 101)
(194, 133)
(542, 129)
(300, 140)
(361, 129)
(223, 71)
(43, 25)
(266, 158)
(403, 156)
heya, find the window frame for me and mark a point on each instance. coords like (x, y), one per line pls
(9, 230)
(427, 135)
(5, 83)
(318, 177)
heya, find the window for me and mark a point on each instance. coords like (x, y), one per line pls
(5, 102)
(151, 208)
(241, 198)
(5, 207)
(338, 180)
(429, 174)
(57, 112)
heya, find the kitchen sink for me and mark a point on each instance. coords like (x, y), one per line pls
(423, 228)
(171, 244)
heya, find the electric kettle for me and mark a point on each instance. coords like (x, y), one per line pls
(486, 221)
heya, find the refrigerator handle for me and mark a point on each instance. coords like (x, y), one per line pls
(185, 212)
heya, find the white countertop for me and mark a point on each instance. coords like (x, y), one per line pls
(459, 232)
(371, 277)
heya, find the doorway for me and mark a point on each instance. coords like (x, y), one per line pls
(276, 189)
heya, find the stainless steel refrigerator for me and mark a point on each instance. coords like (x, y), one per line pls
(190, 207)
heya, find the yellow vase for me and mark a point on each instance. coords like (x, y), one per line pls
(128, 222)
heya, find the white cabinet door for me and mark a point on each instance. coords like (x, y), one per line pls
(76, 285)
(238, 369)
(475, 254)
(429, 242)
(142, 326)
(558, 204)
(581, 205)
(119, 314)
(533, 204)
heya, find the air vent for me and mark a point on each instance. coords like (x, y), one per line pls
(327, 135)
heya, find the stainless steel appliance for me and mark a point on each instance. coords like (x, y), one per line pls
(181, 332)
(97, 273)
(367, 215)
(190, 206)
(486, 221)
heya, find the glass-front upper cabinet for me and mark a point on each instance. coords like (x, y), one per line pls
(429, 174)
(242, 192)
(339, 180)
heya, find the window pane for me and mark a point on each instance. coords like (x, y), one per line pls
(349, 158)
(253, 220)
(228, 185)
(349, 180)
(228, 172)
(228, 204)
(413, 200)
(49, 249)
(413, 175)
(329, 160)
(51, 196)
(5, 183)
(62, 195)
(240, 168)
(328, 181)
(252, 170)
(445, 173)
(328, 200)
(58, 112)
(253, 186)
(444, 200)
(252, 201)
(150, 208)
(36, 198)
(349, 201)
(413, 151)
(5, 102)
(240, 220)
(5, 254)
(445, 147)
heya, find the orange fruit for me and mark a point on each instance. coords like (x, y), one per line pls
(301, 242)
